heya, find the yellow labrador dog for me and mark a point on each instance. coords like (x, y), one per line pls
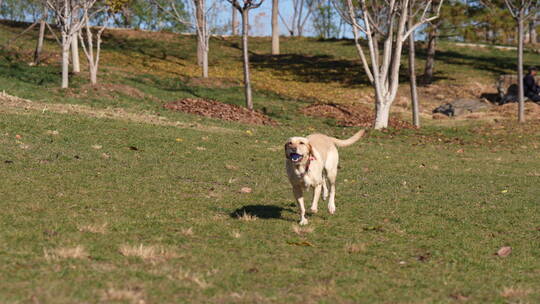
(306, 160)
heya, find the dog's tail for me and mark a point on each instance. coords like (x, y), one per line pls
(349, 141)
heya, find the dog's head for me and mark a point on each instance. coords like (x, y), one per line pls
(297, 149)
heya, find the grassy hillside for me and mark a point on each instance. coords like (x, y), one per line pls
(109, 198)
(143, 69)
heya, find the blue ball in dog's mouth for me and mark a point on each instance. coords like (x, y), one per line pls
(295, 157)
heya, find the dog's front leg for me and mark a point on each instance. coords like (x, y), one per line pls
(316, 195)
(299, 195)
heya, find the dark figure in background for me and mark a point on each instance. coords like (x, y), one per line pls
(531, 89)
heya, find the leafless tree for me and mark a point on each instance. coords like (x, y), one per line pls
(87, 43)
(234, 21)
(412, 71)
(69, 21)
(275, 27)
(532, 31)
(39, 45)
(75, 60)
(433, 33)
(302, 10)
(244, 8)
(383, 24)
(522, 11)
(201, 26)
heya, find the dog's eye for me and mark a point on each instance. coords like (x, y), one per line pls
(289, 143)
(302, 143)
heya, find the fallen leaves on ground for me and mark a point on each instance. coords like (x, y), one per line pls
(215, 109)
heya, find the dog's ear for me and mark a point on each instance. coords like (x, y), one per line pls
(310, 148)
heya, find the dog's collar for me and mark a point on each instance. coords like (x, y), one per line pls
(311, 157)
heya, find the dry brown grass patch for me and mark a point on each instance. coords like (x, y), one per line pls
(147, 253)
(195, 278)
(77, 252)
(355, 247)
(247, 217)
(323, 289)
(515, 292)
(132, 295)
(187, 231)
(302, 230)
(94, 228)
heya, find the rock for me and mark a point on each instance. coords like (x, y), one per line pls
(462, 106)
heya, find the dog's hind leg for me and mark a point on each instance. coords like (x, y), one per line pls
(331, 167)
(316, 195)
(299, 195)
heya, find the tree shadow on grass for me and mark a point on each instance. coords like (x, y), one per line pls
(260, 211)
(313, 68)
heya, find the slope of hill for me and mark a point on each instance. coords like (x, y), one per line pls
(144, 69)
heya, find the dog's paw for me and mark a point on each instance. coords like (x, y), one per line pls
(314, 210)
(325, 196)
(303, 222)
(332, 209)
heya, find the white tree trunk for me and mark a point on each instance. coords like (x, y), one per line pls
(75, 61)
(521, 106)
(199, 14)
(234, 22)
(65, 61)
(93, 76)
(205, 62)
(247, 82)
(382, 113)
(412, 75)
(275, 27)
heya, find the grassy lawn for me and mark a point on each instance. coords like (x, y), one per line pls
(104, 210)
(107, 210)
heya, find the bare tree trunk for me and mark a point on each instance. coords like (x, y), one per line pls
(412, 76)
(88, 48)
(247, 82)
(65, 61)
(234, 22)
(532, 32)
(382, 111)
(75, 56)
(39, 46)
(205, 63)
(431, 49)
(199, 12)
(76, 63)
(521, 107)
(275, 27)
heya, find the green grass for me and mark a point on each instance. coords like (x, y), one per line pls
(417, 221)
(420, 213)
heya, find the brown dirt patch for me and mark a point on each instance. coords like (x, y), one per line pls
(216, 109)
(107, 90)
(349, 115)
